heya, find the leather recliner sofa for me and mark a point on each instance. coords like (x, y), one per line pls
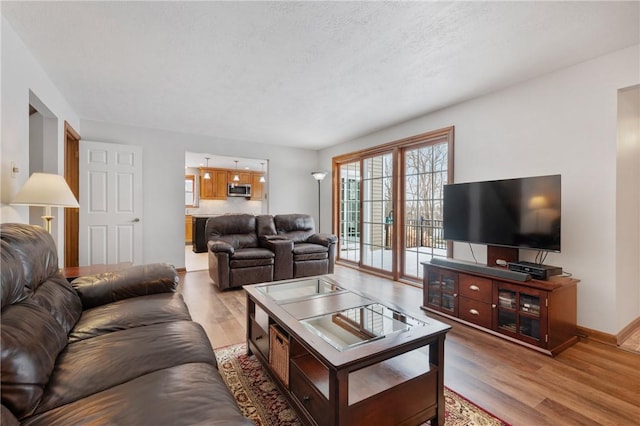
(248, 249)
(117, 348)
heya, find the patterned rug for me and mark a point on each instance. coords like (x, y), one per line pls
(260, 399)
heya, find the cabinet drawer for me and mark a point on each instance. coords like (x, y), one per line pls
(475, 288)
(260, 338)
(308, 396)
(475, 312)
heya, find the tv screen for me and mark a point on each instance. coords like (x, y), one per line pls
(522, 213)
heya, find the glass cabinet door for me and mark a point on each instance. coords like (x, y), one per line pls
(442, 291)
(521, 313)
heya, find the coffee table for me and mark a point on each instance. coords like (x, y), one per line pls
(345, 359)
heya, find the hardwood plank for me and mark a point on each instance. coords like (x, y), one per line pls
(589, 383)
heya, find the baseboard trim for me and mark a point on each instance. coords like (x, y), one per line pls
(598, 336)
(178, 270)
(610, 339)
(626, 332)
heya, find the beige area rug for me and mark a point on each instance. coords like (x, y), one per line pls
(260, 399)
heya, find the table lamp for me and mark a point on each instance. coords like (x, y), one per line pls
(46, 190)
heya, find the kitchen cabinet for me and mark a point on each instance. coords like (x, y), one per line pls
(188, 226)
(214, 188)
(198, 236)
(257, 187)
(245, 177)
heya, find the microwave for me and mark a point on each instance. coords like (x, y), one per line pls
(243, 190)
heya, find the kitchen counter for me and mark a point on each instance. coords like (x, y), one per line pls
(198, 238)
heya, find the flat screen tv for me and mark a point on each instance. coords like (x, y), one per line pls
(520, 213)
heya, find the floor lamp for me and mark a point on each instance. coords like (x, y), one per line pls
(46, 190)
(318, 176)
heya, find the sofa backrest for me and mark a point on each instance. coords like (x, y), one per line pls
(39, 308)
(296, 227)
(265, 226)
(33, 248)
(239, 230)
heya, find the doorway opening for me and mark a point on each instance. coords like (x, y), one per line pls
(209, 181)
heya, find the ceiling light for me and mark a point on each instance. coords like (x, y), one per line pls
(207, 175)
(262, 179)
(236, 178)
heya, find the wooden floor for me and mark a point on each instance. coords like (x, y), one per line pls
(588, 384)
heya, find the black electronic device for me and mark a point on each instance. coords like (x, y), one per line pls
(520, 213)
(481, 269)
(536, 270)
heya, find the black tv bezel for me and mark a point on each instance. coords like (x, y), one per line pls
(488, 243)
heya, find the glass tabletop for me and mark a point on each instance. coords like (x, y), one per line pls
(352, 327)
(298, 289)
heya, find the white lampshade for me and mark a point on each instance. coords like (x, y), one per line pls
(318, 175)
(47, 190)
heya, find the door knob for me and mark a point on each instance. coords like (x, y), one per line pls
(136, 220)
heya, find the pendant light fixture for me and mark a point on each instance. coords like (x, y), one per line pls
(262, 179)
(207, 175)
(236, 178)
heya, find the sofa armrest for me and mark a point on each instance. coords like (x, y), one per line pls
(282, 249)
(273, 237)
(220, 246)
(142, 280)
(323, 239)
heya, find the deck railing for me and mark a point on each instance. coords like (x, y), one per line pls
(421, 232)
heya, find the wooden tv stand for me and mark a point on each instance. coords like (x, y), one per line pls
(538, 314)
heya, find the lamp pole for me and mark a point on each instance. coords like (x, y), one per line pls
(319, 176)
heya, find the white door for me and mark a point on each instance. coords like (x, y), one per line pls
(110, 203)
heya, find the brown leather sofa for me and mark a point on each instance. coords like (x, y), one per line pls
(310, 253)
(117, 349)
(248, 249)
(236, 257)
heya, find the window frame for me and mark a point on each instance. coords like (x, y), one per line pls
(397, 148)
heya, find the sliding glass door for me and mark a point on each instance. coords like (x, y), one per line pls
(349, 212)
(377, 212)
(425, 174)
(388, 209)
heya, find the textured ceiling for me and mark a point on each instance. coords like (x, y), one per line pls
(306, 74)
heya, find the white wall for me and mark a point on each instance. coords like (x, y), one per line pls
(628, 207)
(22, 76)
(563, 122)
(290, 186)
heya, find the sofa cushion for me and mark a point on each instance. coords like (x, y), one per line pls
(59, 299)
(31, 340)
(129, 313)
(187, 394)
(303, 252)
(249, 257)
(296, 227)
(305, 248)
(12, 279)
(36, 250)
(239, 230)
(265, 226)
(93, 365)
(140, 280)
